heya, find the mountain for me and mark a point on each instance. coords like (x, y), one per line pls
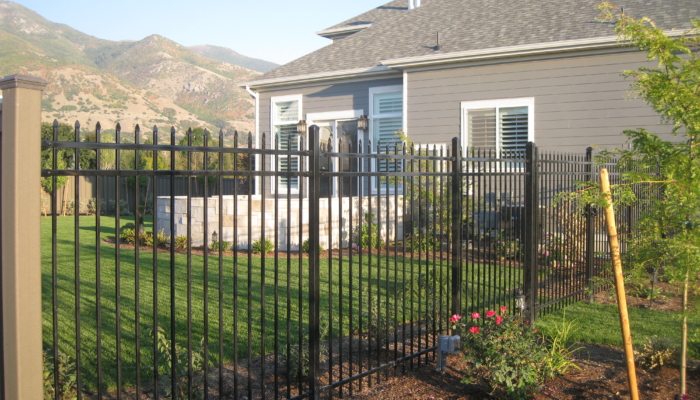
(227, 55)
(154, 81)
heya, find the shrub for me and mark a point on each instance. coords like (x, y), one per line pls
(553, 251)
(123, 207)
(92, 206)
(259, 246)
(368, 235)
(161, 238)
(507, 354)
(222, 245)
(377, 324)
(128, 235)
(657, 352)
(182, 243)
(298, 356)
(423, 243)
(306, 247)
(67, 378)
(507, 248)
(70, 207)
(166, 358)
(428, 286)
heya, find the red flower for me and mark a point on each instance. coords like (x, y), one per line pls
(476, 315)
(474, 329)
(455, 318)
(503, 308)
(490, 314)
(499, 319)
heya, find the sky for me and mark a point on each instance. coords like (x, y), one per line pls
(273, 30)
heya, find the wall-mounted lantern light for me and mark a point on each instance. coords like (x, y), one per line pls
(363, 123)
(214, 237)
(301, 126)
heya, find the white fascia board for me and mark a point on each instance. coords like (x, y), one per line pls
(343, 30)
(321, 76)
(513, 51)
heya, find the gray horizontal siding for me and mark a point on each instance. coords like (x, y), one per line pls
(579, 101)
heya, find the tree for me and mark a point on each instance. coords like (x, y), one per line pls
(669, 232)
(64, 157)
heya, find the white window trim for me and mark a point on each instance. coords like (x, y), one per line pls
(528, 102)
(370, 135)
(273, 122)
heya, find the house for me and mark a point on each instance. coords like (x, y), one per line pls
(495, 73)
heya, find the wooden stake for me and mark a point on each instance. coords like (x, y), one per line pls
(619, 284)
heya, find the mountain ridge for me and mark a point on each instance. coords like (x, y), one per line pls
(232, 57)
(153, 81)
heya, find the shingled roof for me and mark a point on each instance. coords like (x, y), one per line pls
(371, 17)
(465, 25)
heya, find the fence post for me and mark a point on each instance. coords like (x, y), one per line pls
(314, 284)
(456, 227)
(532, 230)
(590, 228)
(21, 236)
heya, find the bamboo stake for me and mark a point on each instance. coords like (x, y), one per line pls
(619, 284)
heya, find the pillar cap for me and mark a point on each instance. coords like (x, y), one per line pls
(22, 81)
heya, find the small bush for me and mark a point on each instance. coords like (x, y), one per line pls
(166, 358)
(298, 356)
(306, 247)
(508, 355)
(368, 235)
(92, 206)
(161, 238)
(128, 235)
(657, 352)
(67, 378)
(423, 243)
(182, 243)
(507, 248)
(70, 207)
(222, 245)
(259, 246)
(377, 319)
(123, 207)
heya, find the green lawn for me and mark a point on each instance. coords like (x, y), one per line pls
(408, 284)
(600, 324)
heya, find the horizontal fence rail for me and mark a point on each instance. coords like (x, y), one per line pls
(185, 268)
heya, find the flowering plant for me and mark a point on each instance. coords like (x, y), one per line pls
(507, 247)
(502, 352)
(553, 252)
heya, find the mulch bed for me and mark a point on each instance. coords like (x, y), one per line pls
(602, 376)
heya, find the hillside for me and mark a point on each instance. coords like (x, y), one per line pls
(154, 81)
(227, 55)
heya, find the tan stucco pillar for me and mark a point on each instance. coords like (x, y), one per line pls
(21, 253)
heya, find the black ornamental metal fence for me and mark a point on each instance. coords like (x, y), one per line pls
(340, 269)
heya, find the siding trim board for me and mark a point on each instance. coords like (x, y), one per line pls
(378, 71)
(515, 51)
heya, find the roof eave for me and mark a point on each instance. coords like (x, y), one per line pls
(342, 31)
(319, 77)
(512, 51)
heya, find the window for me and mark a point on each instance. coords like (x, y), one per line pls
(505, 125)
(286, 112)
(386, 116)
